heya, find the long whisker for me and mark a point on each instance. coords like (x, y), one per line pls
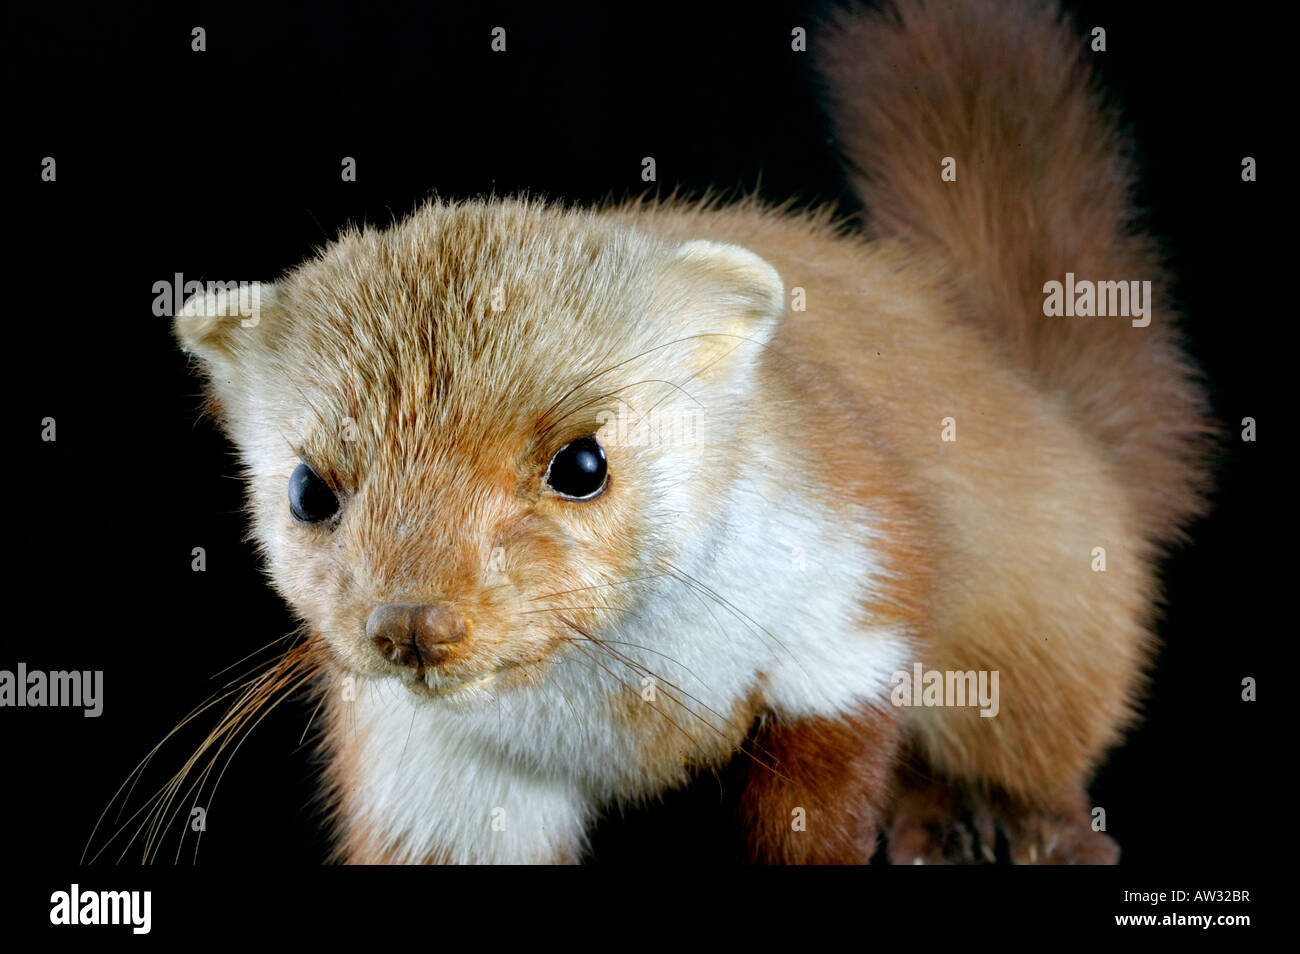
(163, 797)
(543, 427)
(314, 712)
(244, 738)
(638, 667)
(255, 695)
(235, 716)
(136, 773)
(616, 642)
(638, 415)
(726, 604)
(690, 738)
(596, 586)
(279, 639)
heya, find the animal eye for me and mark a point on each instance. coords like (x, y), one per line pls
(310, 498)
(578, 470)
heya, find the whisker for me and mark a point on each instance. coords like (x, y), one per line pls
(281, 685)
(311, 719)
(614, 676)
(409, 729)
(731, 608)
(596, 586)
(136, 773)
(546, 428)
(279, 639)
(638, 667)
(255, 696)
(244, 738)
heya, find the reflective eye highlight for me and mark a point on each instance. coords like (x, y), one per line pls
(578, 470)
(310, 498)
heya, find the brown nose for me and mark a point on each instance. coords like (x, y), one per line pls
(413, 634)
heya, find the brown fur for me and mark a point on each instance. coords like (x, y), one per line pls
(835, 772)
(1071, 433)
(1044, 186)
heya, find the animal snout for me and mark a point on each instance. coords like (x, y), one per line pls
(414, 634)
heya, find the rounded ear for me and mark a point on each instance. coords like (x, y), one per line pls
(748, 283)
(730, 296)
(211, 323)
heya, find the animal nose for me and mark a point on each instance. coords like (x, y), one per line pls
(414, 634)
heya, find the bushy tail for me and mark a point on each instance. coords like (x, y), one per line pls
(1042, 188)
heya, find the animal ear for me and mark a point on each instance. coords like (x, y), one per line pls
(733, 300)
(221, 322)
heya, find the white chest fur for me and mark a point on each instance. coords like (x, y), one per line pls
(517, 777)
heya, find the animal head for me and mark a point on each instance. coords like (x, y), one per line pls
(469, 437)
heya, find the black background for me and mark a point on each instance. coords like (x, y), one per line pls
(225, 165)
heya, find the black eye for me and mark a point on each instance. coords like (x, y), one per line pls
(578, 470)
(310, 498)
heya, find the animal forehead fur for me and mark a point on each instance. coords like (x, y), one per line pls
(489, 308)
